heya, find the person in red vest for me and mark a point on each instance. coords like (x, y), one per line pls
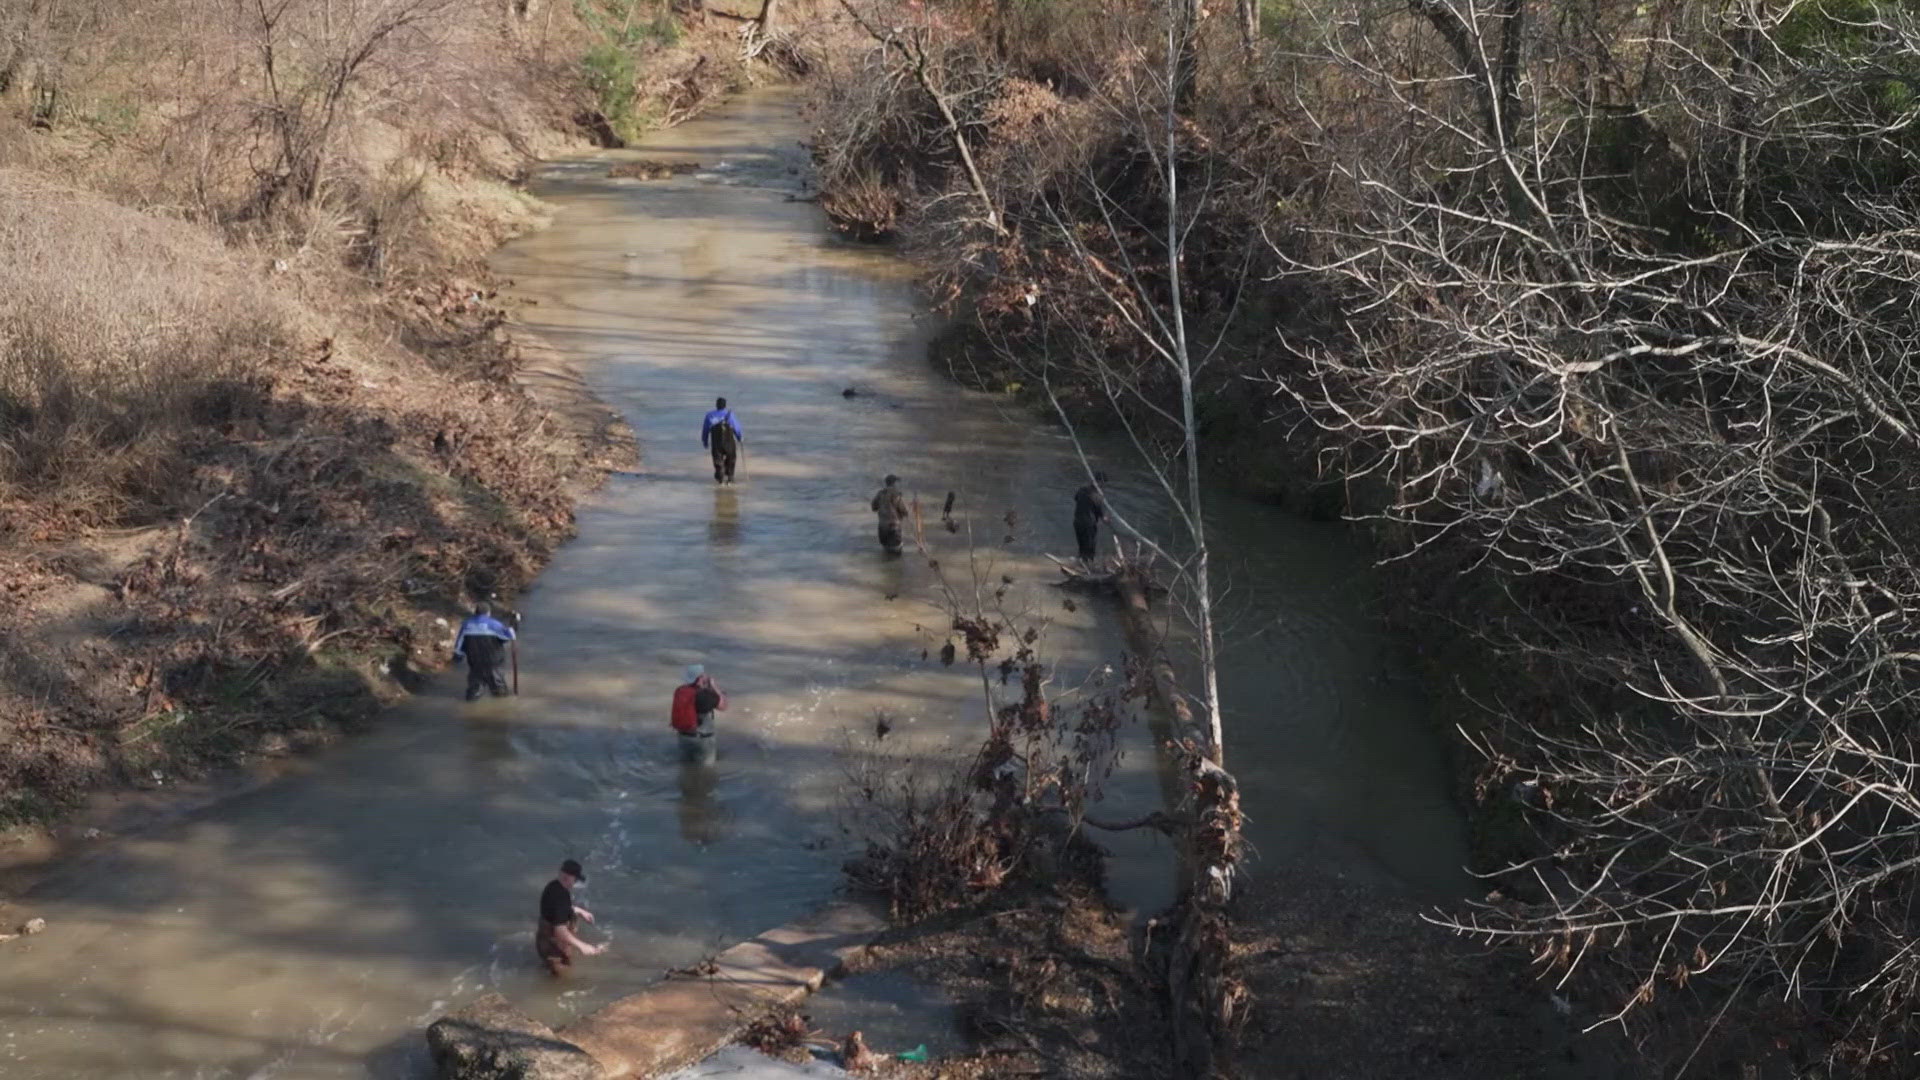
(694, 703)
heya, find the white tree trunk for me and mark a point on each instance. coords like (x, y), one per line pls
(1183, 361)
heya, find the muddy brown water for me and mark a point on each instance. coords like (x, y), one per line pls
(310, 927)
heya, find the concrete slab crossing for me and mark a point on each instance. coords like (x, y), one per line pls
(682, 1020)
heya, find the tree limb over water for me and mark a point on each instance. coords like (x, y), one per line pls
(1637, 309)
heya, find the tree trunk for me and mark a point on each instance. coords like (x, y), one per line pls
(1169, 716)
(1183, 364)
(1496, 89)
(769, 12)
(1183, 29)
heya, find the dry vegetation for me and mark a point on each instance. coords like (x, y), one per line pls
(120, 335)
(260, 424)
(990, 871)
(1045, 985)
(995, 888)
(1603, 311)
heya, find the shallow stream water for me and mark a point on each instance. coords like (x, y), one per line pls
(311, 927)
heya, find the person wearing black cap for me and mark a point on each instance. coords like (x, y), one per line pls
(554, 936)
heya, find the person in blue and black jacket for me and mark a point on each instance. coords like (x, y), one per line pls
(720, 432)
(482, 643)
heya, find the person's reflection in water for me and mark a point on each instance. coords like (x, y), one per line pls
(490, 739)
(893, 577)
(724, 529)
(703, 820)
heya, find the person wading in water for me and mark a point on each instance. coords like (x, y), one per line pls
(892, 508)
(553, 937)
(1089, 510)
(720, 432)
(482, 643)
(694, 703)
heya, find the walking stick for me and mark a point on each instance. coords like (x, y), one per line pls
(514, 649)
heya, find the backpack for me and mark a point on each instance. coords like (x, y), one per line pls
(685, 720)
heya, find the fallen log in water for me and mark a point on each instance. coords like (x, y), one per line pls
(1186, 951)
(1104, 577)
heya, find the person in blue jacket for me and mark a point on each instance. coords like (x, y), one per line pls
(482, 643)
(720, 432)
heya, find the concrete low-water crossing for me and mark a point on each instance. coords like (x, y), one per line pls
(311, 927)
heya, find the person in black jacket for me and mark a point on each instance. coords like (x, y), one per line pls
(1089, 510)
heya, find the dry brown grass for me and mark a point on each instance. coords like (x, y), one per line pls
(120, 333)
(315, 125)
(1045, 985)
(183, 182)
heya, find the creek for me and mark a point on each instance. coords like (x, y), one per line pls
(311, 926)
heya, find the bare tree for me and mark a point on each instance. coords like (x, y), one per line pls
(1061, 245)
(1676, 421)
(1137, 351)
(1145, 297)
(910, 45)
(1153, 350)
(1248, 14)
(37, 37)
(315, 64)
(1183, 52)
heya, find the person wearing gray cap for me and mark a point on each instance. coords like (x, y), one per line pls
(553, 938)
(695, 701)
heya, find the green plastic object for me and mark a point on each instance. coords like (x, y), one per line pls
(918, 1053)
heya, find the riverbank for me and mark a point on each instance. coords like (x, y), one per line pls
(1345, 980)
